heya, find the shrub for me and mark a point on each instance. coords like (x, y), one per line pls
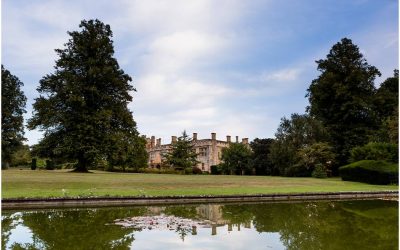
(215, 169)
(298, 170)
(319, 171)
(41, 163)
(33, 164)
(370, 171)
(188, 171)
(196, 170)
(378, 151)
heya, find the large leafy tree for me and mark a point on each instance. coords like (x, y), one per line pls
(82, 106)
(293, 134)
(13, 103)
(182, 154)
(261, 152)
(236, 158)
(342, 97)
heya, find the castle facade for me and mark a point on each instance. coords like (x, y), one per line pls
(209, 151)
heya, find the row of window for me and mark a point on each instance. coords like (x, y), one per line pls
(201, 152)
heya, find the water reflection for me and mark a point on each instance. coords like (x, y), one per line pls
(311, 225)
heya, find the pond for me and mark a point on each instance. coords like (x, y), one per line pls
(367, 224)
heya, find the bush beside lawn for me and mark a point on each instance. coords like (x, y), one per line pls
(371, 171)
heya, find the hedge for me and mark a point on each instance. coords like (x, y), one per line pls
(371, 171)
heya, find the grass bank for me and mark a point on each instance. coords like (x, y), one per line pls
(61, 183)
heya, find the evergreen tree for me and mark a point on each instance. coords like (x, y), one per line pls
(182, 154)
(13, 103)
(342, 97)
(82, 106)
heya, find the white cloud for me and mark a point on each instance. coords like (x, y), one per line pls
(29, 48)
(182, 50)
(155, 17)
(281, 75)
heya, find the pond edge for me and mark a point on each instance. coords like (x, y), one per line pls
(37, 203)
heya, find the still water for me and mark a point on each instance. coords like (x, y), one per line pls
(369, 224)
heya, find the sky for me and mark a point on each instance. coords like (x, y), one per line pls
(231, 67)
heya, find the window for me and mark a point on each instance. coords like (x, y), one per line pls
(202, 166)
(202, 151)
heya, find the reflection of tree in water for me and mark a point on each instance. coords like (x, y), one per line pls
(238, 214)
(8, 223)
(80, 229)
(187, 211)
(330, 225)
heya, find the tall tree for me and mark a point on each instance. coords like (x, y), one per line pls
(82, 106)
(13, 103)
(182, 154)
(261, 157)
(341, 97)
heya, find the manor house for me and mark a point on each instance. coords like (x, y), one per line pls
(208, 151)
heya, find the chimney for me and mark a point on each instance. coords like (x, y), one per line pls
(159, 142)
(194, 137)
(153, 141)
(213, 136)
(228, 138)
(173, 139)
(237, 139)
(245, 140)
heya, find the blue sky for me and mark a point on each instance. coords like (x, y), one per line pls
(231, 67)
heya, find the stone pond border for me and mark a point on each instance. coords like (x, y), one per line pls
(38, 203)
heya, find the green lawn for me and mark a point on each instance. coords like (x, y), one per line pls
(60, 183)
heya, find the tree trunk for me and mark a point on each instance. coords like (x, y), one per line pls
(81, 166)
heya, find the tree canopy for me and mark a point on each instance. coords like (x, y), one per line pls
(13, 103)
(386, 98)
(386, 101)
(292, 135)
(236, 158)
(82, 107)
(342, 97)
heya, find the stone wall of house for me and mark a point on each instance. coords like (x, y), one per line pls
(209, 151)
